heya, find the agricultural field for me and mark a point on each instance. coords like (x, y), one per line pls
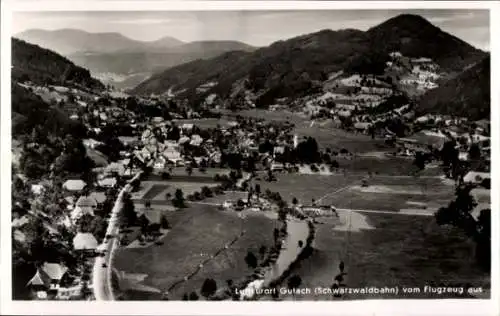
(336, 139)
(198, 233)
(196, 173)
(392, 251)
(155, 189)
(280, 115)
(394, 194)
(307, 187)
(227, 196)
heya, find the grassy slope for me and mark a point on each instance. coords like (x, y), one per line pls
(42, 66)
(197, 230)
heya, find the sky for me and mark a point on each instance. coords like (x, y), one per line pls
(258, 28)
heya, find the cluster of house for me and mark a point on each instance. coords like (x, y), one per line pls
(54, 280)
(423, 74)
(49, 281)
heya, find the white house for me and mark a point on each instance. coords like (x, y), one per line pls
(279, 150)
(160, 163)
(196, 140)
(276, 166)
(74, 185)
(344, 113)
(37, 189)
(187, 127)
(476, 177)
(91, 143)
(84, 241)
(19, 222)
(108, 182)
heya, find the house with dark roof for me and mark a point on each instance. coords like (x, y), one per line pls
(151, 215)
(48, 277)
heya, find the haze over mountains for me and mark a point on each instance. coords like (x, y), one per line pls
(121, 61)
(71, 41)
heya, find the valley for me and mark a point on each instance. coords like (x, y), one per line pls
(200, 170)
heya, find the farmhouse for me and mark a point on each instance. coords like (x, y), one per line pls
(476, 177)
(362, 126)
(84, 241)
(79, 211)
(108, 182)
(128, 140)
(160, 163)
(151, 215)
(47, 277)
(91, 143)
(19, 222)
(276, 166)
(74, 185)
(187, 127)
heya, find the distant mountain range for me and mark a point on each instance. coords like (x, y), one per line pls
(71, 41)
(295, 67)
(122, 61)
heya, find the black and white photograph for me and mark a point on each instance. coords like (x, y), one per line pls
(322, 155)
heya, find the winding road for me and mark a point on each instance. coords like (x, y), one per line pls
(102, 272)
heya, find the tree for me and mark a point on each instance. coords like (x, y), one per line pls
(251, 260)
(419, 160)
(276, 234)
(294, 282)
(458, 214)
(164, 222)
(128, 214)
(282, 214)
(257, 189)
(193, 296)
(208, 288)
(449, 154)
(185, 297)
(206, 191)
(483, 239)
(262, 251)
(474, 152)
(178, 200)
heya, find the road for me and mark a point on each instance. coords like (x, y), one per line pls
(101, 274)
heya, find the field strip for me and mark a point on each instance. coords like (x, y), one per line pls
(200, 266)
(205, 203)
(147, 254)
(334, 192)
(386, 212)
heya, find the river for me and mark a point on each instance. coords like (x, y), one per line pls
(298, 230)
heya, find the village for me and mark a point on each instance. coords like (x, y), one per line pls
(187, 157)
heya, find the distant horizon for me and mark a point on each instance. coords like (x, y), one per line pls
(255, 28)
